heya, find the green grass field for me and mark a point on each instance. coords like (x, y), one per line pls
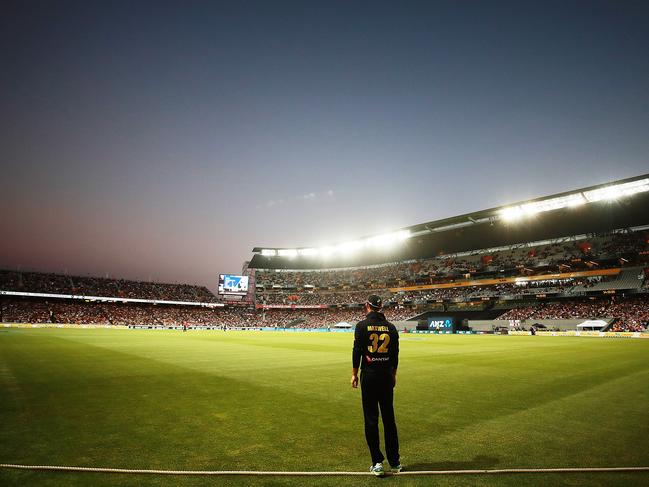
(282, 401)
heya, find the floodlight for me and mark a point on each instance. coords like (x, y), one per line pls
(617, 191)
(552, 204)
(528, 209)
(608, 193)
(268, 252)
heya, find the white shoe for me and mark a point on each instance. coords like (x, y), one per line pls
(378, 470)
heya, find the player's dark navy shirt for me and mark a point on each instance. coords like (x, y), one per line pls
(376, 344)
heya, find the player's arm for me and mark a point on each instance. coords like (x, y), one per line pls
(357, 353)
(394, 356)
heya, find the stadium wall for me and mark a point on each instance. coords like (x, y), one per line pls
(405, 325)
(562, 325)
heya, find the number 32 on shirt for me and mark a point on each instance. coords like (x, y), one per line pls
(379, 343)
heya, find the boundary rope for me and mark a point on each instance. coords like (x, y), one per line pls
(303, 474)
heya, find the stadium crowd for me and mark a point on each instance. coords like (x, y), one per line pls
(38, 282)
(313, 298)
(629, 314)
(16, 310)
(544, 286)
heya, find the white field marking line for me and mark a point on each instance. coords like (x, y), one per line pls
(271, 473)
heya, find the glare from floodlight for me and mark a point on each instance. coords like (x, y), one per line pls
(379, 241)
(326, 251)
(575, 200)
(609, 193)
(511, 213)
(386, 240)
(529, 209)
(348, 248)
(308, 252)
(290, 253)
(268, 252)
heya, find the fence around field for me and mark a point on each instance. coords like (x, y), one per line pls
(567, 333)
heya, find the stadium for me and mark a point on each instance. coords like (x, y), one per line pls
(524, 345)
(565, 263)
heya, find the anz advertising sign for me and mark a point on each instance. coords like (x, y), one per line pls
(442, 324)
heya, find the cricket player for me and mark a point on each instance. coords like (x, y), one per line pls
(376, 351)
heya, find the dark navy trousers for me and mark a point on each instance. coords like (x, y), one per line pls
(377, 392)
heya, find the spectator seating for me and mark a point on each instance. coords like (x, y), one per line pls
(19, 310)
(39, 282)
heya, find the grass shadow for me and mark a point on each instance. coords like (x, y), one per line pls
(480, 462)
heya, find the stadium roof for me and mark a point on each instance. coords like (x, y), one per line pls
(595, 209)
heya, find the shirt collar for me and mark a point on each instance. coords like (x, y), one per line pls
(376, 314)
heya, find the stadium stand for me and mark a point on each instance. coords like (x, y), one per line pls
(37, 282)
(579, 254)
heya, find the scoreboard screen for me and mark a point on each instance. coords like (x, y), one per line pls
(231, 284)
